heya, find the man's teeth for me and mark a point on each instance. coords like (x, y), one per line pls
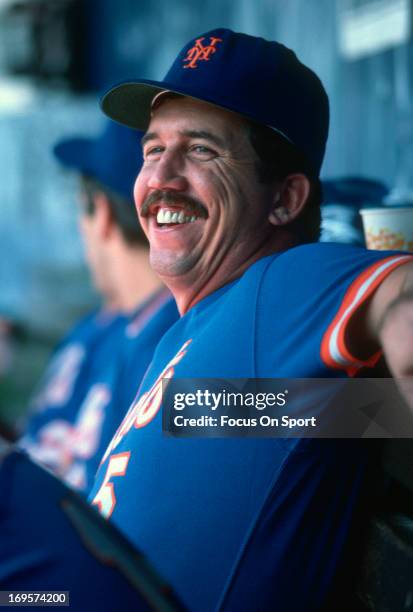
(166, 216)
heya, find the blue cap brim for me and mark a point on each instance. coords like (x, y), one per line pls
(129, 103)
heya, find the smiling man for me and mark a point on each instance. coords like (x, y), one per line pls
(206, 212)
(229, 198)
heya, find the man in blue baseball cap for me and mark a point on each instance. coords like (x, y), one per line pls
(82, 397)
(229, 199)
(231, 161)
(50, 538)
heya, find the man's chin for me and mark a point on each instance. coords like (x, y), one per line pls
(169, 265)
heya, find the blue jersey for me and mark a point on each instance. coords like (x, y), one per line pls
(63, 425)
(71, 437)
(51, 540)
(123, 374)
(198, 508)
(69, 363)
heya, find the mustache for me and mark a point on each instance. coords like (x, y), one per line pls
(171, 197)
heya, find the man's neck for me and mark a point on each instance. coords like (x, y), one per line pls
(188, 290)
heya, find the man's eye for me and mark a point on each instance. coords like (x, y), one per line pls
(202, 151)
(151, 152)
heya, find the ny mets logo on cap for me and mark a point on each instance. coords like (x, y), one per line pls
(201, 52)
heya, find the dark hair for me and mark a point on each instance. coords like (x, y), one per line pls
(122, 211)
(277, 159)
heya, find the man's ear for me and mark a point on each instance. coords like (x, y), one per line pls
(289, 199)
(103, 215)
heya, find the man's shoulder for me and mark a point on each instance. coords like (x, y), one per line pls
(89, 324)
(313, 271)
(300, 261)
(272, 272)
(321, 258)
(313, 251)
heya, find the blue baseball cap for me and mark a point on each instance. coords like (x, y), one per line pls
(259, 79)
(114, 157)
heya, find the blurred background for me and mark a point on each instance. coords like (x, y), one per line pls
(57, 56)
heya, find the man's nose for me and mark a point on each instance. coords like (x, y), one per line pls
(168, 173)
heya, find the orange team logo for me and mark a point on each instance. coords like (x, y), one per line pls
(200, 52)
(143, 410)
(139, 415)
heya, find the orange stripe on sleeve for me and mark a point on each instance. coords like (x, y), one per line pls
(334, 352)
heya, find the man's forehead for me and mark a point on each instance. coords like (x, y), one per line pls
(208, 135)
(193, 118)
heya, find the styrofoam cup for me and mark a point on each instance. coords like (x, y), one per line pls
(389, 228)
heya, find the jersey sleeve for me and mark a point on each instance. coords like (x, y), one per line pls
(307, 298)
(334, 350)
